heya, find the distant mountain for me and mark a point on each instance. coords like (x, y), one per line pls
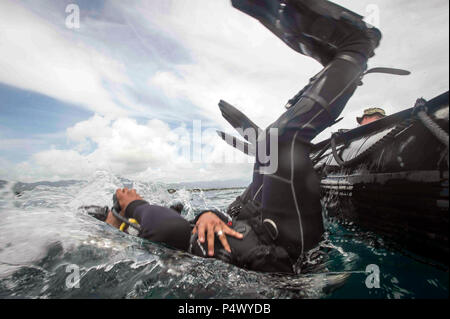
(2, 183)
(21, 187)
(235, 183)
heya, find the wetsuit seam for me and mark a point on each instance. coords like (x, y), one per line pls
(259, 190)
(280, 178)
(346, 87)
(334, 99)
(319, 100)
(293, 192)
(310, 121)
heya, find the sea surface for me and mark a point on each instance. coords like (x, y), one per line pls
(49, 248)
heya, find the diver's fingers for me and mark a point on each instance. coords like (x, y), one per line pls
(201, 232)
(227, 230)
(211, 240)
(224, 241)
(194, 231)
(120, 194)
(134, 193)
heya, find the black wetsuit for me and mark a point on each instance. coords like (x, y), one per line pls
(280, 213)
(160, 224)
(288, 200)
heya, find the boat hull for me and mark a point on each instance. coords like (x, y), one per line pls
(398, 188)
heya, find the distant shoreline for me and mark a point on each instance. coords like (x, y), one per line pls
(171, 188)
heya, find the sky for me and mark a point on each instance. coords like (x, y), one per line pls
(128, 88)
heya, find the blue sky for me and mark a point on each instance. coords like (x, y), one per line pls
(121, 92)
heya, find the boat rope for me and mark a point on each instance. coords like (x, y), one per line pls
(319, 156)
(438, 132)
(379, 144)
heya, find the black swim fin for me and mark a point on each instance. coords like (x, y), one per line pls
(238, 120)
(246, 148)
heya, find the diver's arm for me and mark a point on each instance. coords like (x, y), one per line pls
(160, 224)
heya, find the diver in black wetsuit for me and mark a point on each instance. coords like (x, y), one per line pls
(286, 205)
(280, 215)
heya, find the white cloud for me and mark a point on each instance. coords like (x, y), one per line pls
(151, 151)
(37, 56)
(94, 129)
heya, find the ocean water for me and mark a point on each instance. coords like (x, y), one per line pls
(49, 248)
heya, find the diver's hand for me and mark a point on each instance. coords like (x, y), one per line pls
(125, 196)
(213, 224)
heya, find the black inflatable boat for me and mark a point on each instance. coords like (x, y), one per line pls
(391, 177)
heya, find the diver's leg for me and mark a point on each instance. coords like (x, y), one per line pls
(291, 196)
(330, 34)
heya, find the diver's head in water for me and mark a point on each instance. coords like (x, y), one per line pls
(115, 215)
